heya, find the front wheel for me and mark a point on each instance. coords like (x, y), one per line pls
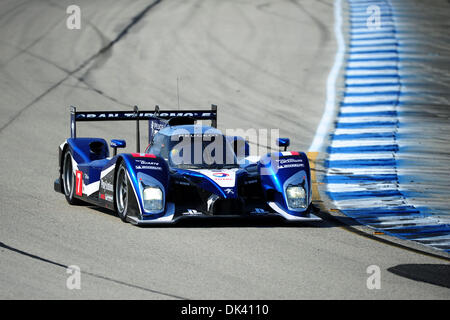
(68, 179)
(122, 192)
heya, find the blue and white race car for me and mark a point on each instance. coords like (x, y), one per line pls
(188, 170)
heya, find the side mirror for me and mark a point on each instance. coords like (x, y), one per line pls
(283, 143)
(115, 143)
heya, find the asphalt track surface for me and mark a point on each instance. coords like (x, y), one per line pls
(265, 64)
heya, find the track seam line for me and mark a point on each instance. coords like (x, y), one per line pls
(104, 49)
(33, 256)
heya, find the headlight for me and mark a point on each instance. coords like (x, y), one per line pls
(153, 199)
(296, 196)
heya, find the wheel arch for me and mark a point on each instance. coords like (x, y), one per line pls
(133, 206)
(116, 169)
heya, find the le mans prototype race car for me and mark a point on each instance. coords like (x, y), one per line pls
(180, 174)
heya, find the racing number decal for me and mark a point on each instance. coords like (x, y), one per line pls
(79, 183)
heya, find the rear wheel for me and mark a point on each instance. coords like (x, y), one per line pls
(68, 179)
(122, 192)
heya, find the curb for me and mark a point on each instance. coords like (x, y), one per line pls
(327, 211)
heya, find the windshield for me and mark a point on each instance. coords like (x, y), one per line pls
(201, 151)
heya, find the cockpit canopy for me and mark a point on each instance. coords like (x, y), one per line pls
(193, 147)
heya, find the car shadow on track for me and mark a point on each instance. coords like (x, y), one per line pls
(437, 274)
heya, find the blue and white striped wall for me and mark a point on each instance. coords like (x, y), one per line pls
(363, 170)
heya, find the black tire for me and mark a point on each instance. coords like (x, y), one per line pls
(121, 192)
(68, 179)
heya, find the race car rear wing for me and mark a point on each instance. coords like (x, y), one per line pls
(156, 115)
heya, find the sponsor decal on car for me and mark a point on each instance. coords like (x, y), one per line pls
(79, 183)
(143, 115)
(148, 168)
(220, 174)
(289, 153)
(225, 178)
(143, 155)
(107, 186)
(229, 191)
(285, 163)
(147, 165)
